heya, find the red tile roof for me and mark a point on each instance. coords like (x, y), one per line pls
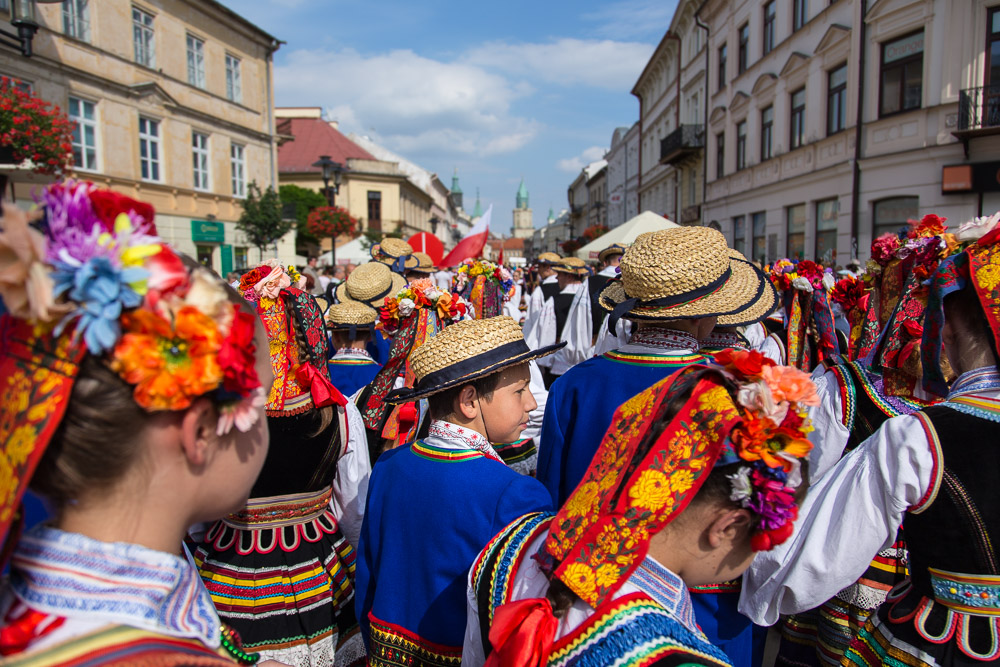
(508, 244)
(314, 137)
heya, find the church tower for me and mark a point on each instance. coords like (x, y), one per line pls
(524, 226)
(456, 190)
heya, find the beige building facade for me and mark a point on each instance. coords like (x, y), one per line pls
(174, 105)
(832, 123)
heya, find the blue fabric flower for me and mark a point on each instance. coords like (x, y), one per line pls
(102, 292)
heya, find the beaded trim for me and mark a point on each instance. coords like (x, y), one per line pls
(277, 511)
(664, 339)
(968, 593)
(231, 644)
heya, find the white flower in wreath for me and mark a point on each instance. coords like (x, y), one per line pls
(977, 228)
(740, 487)
(802, 284)
(406, 307)
(828, 281)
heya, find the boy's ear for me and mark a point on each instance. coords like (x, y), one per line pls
(466, 403)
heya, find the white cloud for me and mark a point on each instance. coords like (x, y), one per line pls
(608, 64)
(408, 101)
(633, 19)
(574, 164)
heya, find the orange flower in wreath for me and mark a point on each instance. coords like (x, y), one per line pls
(169, 365)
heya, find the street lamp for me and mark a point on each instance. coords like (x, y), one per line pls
(434, 224)
(332, 170)
(22, 17)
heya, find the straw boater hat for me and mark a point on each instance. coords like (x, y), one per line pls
(548, 258)
(681, 273)
(424, 263)
(466, 351)
(764, 305)
(571, 265)
(611, 250)
(397, 254)
(370, 284)
(350, 316)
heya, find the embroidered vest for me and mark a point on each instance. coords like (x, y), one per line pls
(562, 303)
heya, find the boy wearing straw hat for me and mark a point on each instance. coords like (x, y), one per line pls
(674, 284)
(609, 258)
(567, 318)
(351, 325)
(395, 253)
(370, 284)
(433, 505)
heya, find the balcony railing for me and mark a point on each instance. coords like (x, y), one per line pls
(680, 143)
(979, 108)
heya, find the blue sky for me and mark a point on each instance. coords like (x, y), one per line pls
(499, 90)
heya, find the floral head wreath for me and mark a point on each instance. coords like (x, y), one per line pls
(91, 276)
(485, 284)
(635, 487)
(805, 292)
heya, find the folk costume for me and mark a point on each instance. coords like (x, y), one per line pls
(569, 320)
(105, 288)
(281, 570)
(625, 607)
(546, 290)
(395, 253)
(370, 284)
(929, 471)
(809, 334)
(599, 281)
(411, 589)
(684, 273)
(351, 368)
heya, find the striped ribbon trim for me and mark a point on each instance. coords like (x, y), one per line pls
(278, 511)
(677, 360)
(432, 453)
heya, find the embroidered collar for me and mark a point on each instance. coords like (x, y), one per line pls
(353, 352)
(663, 338)
(724, 340)
(461, 436)
(70, 575)
(667, 589)
(977, 380)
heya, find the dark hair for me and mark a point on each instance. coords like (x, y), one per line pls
(340, 338)
(442, 404)
(964, 312)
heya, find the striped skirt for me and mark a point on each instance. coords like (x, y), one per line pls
(282, 575)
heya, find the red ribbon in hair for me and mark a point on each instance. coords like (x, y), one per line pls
(522, 634)
(20, 630)
(320, 388)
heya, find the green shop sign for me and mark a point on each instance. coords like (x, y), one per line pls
(206, 230)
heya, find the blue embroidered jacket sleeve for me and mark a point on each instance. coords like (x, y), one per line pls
(552, 443)
(522, 496)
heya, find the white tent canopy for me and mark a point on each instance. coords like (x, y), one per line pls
(351, 252)
(626, 233)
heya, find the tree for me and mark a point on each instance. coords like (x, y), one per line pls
(331, 221)
(261, 219)
(304, 200)
(370, 236)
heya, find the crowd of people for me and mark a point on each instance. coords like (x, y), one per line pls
(677, 456)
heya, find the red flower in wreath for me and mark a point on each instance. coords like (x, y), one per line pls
(236, 356)
(747, 363)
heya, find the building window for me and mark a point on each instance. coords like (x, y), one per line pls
(741, 145)
(720, 155)
(826, 231)
(722, 67)
(240, 258)
(84, 114)
(206, 255)
(14, 82)
(836, 100)
(237, 160)
(993, 48)
(142, 37)
(891, 214)
(902, 74)
(800, 13)
(76, 19)
(769, 15)
(766, 133)
(740, 234)
(759, 223)
(199, 156)
(744, 52)
(795, 238)
(798, 119)
(374, 210)
(196, 61)
(234, 88)
(149, 148)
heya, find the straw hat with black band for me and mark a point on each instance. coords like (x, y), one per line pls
(395, 253)
(350, 317)
(574, 266)
(424, 264)
(465, 351)
(611, 251)
(370, 284)
(548, 258)
(765, 303)
(684, 273)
